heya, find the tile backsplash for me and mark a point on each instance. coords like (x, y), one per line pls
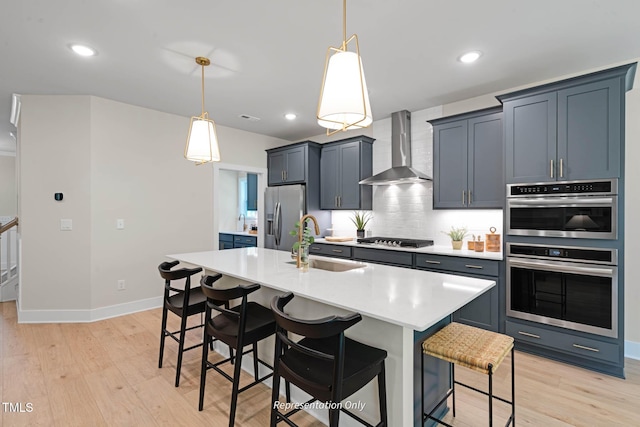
(406, 210)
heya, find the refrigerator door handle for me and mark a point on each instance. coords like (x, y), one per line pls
(277, 219)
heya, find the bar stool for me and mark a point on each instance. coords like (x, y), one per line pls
(473, 348)
(324, 363)
(239, 326)
(183, 303)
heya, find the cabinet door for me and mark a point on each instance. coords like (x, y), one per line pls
(485, 165)
(329, 177)
(589, 130)
(276, 164)
(482, 312)
(349, 176)
(295, 165)
(252, 192)
(530, 138)
(450, 165)
(223, 244)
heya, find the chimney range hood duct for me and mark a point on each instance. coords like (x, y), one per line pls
(401, 171)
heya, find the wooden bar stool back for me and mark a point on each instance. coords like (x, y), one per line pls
(473, 348)
(183, 302)
(324, 363)
(243, 325)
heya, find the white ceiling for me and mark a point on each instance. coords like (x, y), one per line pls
(270, 54)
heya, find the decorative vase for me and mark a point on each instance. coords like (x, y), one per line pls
(456, 244)
(360, 233)
(304, 257)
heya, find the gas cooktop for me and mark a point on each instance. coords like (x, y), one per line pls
(396, 242)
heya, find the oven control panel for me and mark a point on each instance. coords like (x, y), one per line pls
(568, 253)
(609, 186)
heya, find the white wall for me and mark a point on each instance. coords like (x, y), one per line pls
(8, 195)
(111, 161)
(54, 156)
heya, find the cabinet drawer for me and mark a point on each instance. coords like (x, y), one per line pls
(330, 250)
(565, 342)
(244, 241)
(225, 237)
(473, 266)
(383, 257)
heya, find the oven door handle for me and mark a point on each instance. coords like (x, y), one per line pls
(562, 201)
(562, 267)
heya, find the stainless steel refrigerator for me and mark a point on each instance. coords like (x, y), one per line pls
(284, 206)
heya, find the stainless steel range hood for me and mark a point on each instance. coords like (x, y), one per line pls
(401, 171)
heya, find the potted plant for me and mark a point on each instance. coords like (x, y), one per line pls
(456, 234)
(360, 220)
(302, 246)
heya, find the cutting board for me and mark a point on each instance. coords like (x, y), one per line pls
(338, 239)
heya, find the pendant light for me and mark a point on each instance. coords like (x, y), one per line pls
(202, 140)
(344, 100)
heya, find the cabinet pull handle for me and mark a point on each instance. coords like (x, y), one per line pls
(337, 250)
(561, 171)
(469, 197)
(428, 261)
(285, 175)
(527, 334)
(339, 201)
(551, 168)
(336, 202)
(595, 350)
(477, 267)
(464, 194)
(315, 248)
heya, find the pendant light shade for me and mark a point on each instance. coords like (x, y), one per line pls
(202, 139)
(344, 99)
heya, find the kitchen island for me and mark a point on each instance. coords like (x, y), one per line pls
(400, 307)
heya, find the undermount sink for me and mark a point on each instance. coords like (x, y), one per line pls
(332, 265)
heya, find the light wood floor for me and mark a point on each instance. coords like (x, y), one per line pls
(105, 374)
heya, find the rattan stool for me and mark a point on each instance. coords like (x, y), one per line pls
(472, 348)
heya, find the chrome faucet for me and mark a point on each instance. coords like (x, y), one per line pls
(300, 227)
(244, 221)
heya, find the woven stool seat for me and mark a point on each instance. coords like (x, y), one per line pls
(468, 346)
(473, 348)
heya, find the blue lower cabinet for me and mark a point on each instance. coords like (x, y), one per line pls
(242, 241)
(484, 311)
(225, 241)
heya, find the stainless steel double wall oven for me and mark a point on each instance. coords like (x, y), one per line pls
(556, 275)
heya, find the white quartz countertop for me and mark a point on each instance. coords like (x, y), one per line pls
(410, 298)
(239, 233)
(436, 250)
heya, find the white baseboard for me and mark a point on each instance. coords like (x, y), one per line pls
(85, 316)
(632, 350)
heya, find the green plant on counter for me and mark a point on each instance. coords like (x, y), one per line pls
(456, 234)
(307, 238)
(361, 219)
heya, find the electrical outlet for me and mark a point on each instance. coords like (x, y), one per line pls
(121, 285)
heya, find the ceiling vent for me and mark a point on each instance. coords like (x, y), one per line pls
(249, 118)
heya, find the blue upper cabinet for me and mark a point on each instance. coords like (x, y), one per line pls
(467, 160)
(293, 164)
(343, 164)
(568, 130)
(252, 192)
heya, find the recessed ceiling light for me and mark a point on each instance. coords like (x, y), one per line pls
(83, 50)
(470, 57)
(290, 116)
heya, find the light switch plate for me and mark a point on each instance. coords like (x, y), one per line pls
(120, 224)
(66, 225)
